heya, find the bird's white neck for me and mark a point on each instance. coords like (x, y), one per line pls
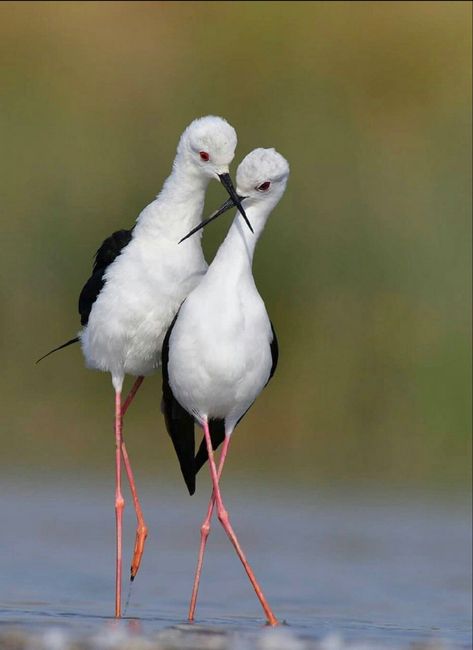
(235, 255)
(177, 208)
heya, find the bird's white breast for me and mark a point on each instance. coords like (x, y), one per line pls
(144, 288)
(219, 356)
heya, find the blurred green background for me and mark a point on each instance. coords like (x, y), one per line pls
(365, 266)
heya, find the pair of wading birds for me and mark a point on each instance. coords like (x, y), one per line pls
(152, 300)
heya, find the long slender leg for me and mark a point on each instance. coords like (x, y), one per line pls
(119, 502)
(225, 521)
(131, 395)
(141, 528)
(204, 534)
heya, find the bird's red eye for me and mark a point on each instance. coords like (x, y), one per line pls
(264, 187)
(204, 156)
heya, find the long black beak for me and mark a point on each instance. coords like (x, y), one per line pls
(228, 185)
(229, 203)
(234, 201)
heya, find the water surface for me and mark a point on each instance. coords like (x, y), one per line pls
(341, 568)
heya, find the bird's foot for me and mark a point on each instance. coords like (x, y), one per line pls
(140, 539)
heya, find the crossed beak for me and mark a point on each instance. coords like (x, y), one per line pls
(234, 201)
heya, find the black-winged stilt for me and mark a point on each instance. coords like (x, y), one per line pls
(221, 349)
(140, 277)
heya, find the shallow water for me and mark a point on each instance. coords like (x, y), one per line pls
(342, 569)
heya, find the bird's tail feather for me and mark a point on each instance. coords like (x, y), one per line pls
(60, 347)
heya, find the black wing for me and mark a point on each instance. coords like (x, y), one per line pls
(217, 427)
(179, 424)
(106, 254)
(110, 249)
(274, 353)
(59, 347)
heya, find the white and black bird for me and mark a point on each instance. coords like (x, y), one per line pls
(140, 278)
(221, 350)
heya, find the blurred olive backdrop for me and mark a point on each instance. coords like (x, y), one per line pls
(364, 266)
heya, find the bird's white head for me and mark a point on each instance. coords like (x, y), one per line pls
(262, 176)
(207, 146)
(206, 149)
(261, 180)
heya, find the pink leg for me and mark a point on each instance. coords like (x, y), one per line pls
(225, 521)
(131, 395)
(141, 528)
(204, 533)
(119, 502)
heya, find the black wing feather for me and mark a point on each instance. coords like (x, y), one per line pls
(179, 424)
(59, 347)
(274, 353)
(108, 251)
(106, 254)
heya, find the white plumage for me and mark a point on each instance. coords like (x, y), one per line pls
(139, 280)
(147, 282)
(219, 348)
